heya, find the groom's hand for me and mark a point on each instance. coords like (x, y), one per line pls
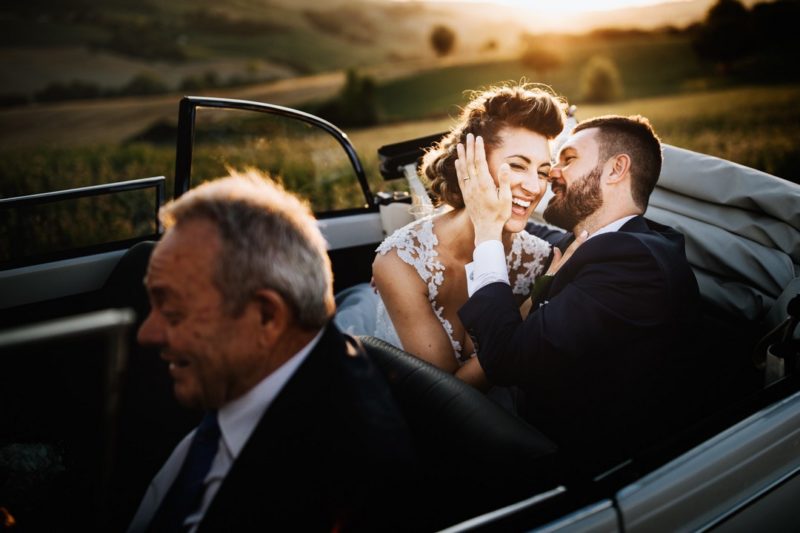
(488, 203)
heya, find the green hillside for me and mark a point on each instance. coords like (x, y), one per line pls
(239, 40)
(649, 65)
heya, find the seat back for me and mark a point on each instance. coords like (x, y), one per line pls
(742, 230)
(476, 455)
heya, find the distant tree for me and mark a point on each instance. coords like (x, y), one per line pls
(490, 46)
(14, 99)
(540, 58)
(74, 90)
(774, 27)
(191, 83)
(724, 36)
(211, 79)
(355, 106)
(162, 131)
(443, 40)
(145, 83)
(601, 81)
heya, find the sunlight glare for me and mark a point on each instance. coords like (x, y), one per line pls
(581, 6)
(566, 7)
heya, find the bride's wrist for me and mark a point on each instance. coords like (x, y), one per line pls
(488, 233)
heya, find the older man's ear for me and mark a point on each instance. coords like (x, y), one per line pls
(275, 314)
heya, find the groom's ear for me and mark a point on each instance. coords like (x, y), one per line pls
(619, 168)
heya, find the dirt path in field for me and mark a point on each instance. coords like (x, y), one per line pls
(88, 122)
(114, 120)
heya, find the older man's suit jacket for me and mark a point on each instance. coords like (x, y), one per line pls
(332, 452)
(605, 356)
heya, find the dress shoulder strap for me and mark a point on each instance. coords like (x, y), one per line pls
(416, 244)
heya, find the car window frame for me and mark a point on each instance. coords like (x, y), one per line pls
(157, 183)
(187, 114)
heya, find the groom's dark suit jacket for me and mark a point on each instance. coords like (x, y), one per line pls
(331, 452)
(605, 360)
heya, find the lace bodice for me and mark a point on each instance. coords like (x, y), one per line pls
(416, 244)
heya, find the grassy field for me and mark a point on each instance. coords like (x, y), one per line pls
(753, 126)
(439, 92)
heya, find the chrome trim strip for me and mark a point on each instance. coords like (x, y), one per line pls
(504, 511)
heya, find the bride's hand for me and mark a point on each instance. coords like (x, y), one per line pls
(559, 259)
(488, 204)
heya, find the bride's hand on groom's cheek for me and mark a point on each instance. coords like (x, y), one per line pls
(487, 203)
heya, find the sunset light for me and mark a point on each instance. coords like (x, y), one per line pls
(580, 6)
(572, 6)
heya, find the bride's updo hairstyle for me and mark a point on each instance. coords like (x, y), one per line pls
(487, 113)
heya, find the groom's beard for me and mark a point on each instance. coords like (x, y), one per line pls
(574, 203)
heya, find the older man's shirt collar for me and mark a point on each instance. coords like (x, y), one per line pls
(238, 419)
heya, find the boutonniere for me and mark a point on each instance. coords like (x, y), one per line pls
(540, 286)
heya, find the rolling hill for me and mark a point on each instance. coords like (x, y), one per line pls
(246, 40)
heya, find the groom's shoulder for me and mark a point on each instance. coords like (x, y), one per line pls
(643, 235)
(640, 242)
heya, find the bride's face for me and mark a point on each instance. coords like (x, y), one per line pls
(528, 155)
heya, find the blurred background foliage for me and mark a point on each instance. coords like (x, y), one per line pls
(90, 90)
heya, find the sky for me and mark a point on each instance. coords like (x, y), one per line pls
(580, 5)
(570, 6)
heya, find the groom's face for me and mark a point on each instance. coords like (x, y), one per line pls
(575, 181)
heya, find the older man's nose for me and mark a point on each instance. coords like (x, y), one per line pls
(150, 332)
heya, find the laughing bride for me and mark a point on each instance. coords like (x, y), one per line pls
(419, 270)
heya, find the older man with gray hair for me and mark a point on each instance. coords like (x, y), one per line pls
(300, 431)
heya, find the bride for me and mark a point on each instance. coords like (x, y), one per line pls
(419, 270)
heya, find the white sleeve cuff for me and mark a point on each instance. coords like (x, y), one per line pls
(488, 266)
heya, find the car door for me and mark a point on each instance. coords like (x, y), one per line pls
(307, 155)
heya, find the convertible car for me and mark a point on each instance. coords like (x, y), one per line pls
(87, 416)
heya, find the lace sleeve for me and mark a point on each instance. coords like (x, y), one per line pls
(526, 261)
(415, 244)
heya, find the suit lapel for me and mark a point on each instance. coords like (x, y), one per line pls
(541, 297)
(637, 224)
(268, 463)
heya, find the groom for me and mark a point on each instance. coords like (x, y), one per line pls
(603, 357)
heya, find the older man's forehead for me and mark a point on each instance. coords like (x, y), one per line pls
(185, 257)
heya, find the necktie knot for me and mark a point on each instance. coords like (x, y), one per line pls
(208, 428)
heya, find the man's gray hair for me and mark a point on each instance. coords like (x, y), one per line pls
(270, 240)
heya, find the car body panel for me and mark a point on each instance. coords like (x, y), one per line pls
(711, 482)
(57, 279)
(598, 518)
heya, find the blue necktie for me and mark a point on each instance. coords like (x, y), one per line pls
(186, 492)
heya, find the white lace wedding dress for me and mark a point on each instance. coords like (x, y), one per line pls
(416, 244)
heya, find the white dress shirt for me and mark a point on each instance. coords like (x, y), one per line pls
(489, 262)
(237, 420)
